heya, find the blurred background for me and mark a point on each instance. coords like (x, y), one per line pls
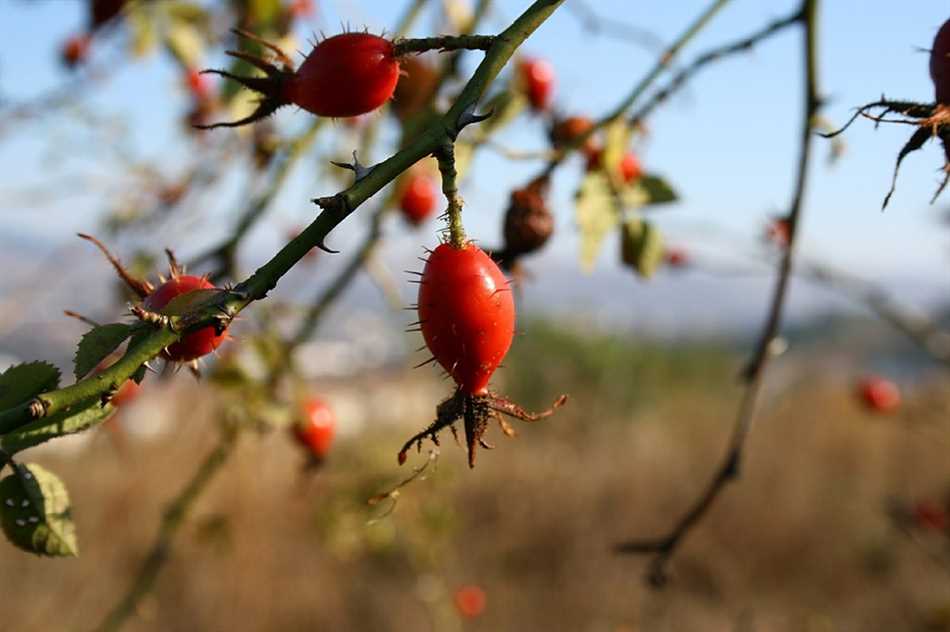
(839, 521)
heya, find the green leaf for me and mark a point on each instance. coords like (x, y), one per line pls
(657, 190)
(35, 512)
(64, 423)
(96, 346)
(596, 213)
(641, 246)
(23, 382)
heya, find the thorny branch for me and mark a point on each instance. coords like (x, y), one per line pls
(228, 303)
(664, 547)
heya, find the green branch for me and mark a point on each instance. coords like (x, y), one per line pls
(221, 308)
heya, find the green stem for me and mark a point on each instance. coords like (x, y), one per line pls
(228, 303)
(446, 157)
(172, 520)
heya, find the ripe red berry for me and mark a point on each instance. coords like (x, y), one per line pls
(537, 76)
(470, 601)
(929, 515)
(418, 199)
(197, 343)
(940, 64)
(630, 169)
(345, 75)
(75, 50)
(317, 427)
(878, 394)
(197, 84)
(676, 258)
(467, 314)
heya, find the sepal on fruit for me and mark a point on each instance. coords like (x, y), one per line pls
(476, 411)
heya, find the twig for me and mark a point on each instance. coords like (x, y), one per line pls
(328, 296)
(921, 330)
(664, 61)
(600, 25)
(258, 205)
(716, 54)
(664, 547)
(172, 520)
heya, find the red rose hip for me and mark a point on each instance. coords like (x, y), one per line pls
(345, 75)
(418, 199)
(467, 314)
(197, 343)
(537, 76)
(879, 395)
(317, 428)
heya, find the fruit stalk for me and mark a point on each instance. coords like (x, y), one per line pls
(446, 157)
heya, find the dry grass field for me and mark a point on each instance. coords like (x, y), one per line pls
(803, 542)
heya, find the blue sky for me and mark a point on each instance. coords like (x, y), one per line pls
(728, 142)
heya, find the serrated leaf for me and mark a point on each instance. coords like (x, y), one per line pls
(596, 213)
(184, 42)
(23, 382)
(36, 514)
(641, 246)
(61, 424)
(657, 190)
(97, 344)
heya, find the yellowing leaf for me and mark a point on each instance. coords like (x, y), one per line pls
(597, 214)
